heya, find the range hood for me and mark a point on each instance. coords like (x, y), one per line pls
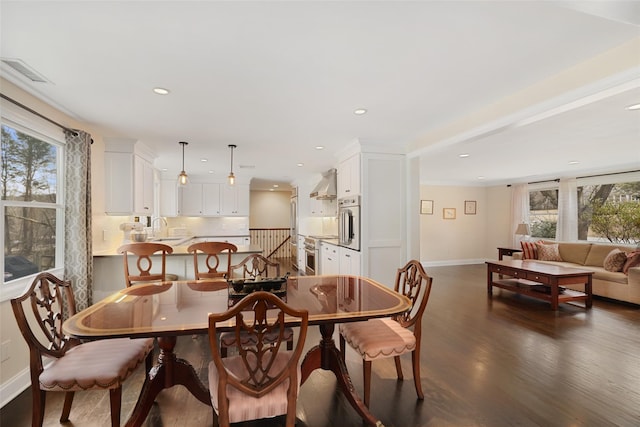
(326, 188)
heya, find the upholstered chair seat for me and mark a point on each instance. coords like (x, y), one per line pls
(103, 364)
(378, 338)
(243, 407)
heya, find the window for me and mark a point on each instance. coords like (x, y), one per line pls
(543, 212)
(32, 200)
(609, 212)
(608, 209)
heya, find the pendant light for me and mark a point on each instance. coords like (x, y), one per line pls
(183, 179)
(232, 178)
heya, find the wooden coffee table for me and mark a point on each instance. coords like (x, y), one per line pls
(539, 280)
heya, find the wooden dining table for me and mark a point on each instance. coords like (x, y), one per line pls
(166, 310)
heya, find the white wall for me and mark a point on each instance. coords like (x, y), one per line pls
(467, 239)
(270, 209)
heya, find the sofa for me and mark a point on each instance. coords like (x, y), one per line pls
(611, 282)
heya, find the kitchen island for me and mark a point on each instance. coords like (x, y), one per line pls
(108, 269)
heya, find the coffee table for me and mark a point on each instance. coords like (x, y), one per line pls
(542, 281)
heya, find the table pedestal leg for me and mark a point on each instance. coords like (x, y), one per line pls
(168, 372)
(327, 356)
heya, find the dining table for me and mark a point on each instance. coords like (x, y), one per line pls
(166, 310)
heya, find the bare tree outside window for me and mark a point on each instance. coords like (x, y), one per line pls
(29, 196)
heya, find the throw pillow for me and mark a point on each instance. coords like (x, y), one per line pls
(529, 250)
(615, 260)
(633, 260)
(548, 252)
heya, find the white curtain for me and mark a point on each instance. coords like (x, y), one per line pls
(567, 228)
(519, 210)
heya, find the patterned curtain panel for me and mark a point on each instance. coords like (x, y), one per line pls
(78, 261)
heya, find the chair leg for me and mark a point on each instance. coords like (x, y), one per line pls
(115, 398)
(148, 362)
(39, 398)
(398, 368)
(366, 375)
(342, 347)
(415, 359)
(66, 408)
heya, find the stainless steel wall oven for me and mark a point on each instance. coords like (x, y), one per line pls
(349, 222)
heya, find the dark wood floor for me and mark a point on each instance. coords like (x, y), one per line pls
(504, 361)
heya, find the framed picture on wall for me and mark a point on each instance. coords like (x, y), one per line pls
(449, 213)
(426, 207)
(469, 207)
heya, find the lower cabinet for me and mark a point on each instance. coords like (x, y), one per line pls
(349, 261)
(329, 262)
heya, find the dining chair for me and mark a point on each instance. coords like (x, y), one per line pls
(263, 380)
(392, 337)
(142, 271)
(255, 265)
(212, 262)
(75, 366)
(252, 266)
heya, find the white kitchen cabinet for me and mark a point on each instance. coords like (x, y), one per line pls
(323, 208)
(349, 261)
(211, 199)
(142, 186)
(301, 255)
(234, 200)
(169, 198)
(190, 197)
(129, 178)
(329, 259)
(349, 177)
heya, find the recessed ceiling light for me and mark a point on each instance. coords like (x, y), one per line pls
(573, 162)
(481, 177)
(161, 91)
(463, 155)
(164, 169)
(271, 189)
(300, 165)
(319, 147)
(210, 171)
(634, 107)
(360, 111)
(204, 160)
(275, 186)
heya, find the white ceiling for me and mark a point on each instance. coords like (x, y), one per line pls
(279, 78)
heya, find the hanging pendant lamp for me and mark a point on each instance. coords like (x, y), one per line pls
(232, 178)
(183, 179)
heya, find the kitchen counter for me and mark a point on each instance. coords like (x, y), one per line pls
(181, 249)
(108, 269)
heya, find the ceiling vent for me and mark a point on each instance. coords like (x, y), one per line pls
(24, 69)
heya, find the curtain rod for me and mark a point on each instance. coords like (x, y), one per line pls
(73, 131)
(580, 177)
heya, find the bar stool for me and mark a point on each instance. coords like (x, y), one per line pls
(212, 250)
(143, 251)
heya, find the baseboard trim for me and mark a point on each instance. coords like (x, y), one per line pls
(452, 262)
(16, 385)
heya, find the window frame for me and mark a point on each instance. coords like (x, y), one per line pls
(32, 125)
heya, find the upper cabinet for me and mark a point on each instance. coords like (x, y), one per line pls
(206, 199)
(234, 200)
(129, 178)
(349, 177)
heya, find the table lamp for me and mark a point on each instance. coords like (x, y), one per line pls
(523, 229)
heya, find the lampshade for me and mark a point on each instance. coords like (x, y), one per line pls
(523, 229)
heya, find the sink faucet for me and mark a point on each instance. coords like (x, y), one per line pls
(153, 228)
